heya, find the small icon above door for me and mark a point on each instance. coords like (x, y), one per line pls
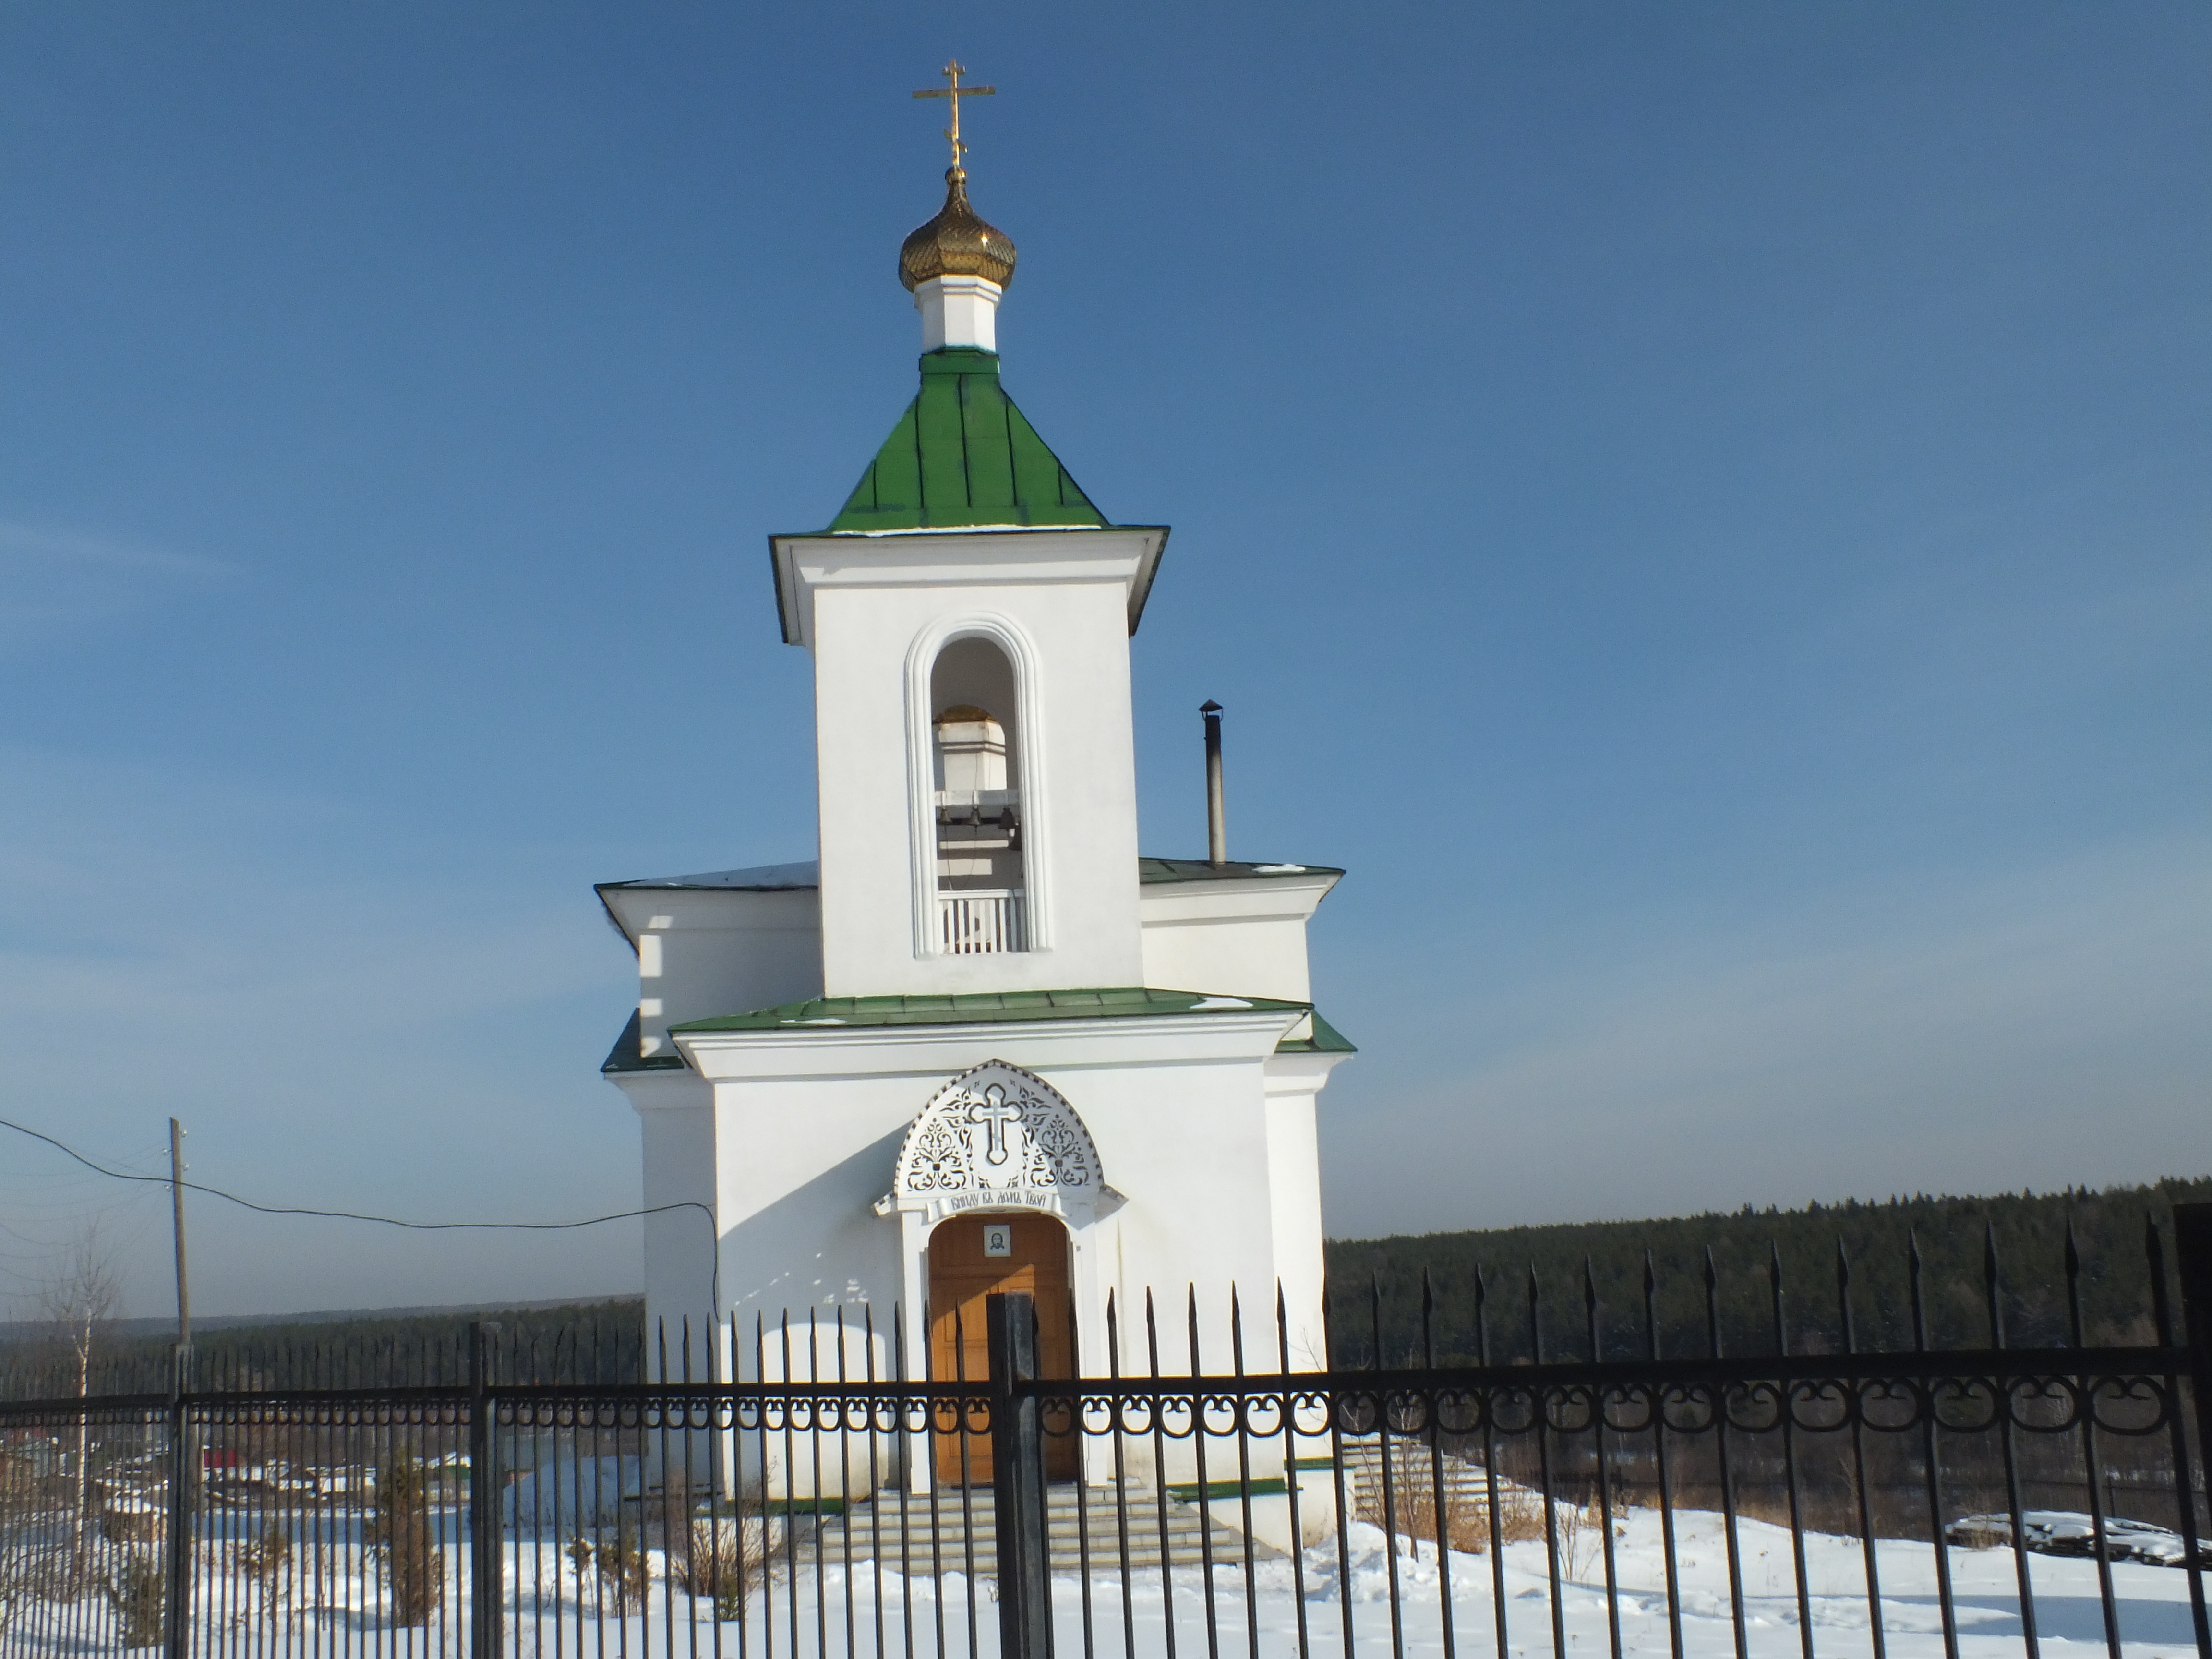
(998, 1238)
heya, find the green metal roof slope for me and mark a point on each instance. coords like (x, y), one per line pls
(990, 1007)
(1326, 1040)
(993, 1007)
(628, 1053)
(963, 454)
(1153, 873)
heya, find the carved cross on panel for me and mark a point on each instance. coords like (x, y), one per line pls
(995, 1111)
(996, 1136)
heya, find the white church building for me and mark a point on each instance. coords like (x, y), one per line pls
(982, 1042)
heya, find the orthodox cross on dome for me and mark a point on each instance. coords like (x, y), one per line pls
(953, 70)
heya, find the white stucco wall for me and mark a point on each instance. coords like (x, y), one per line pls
(809, 1127)
(703, 952)
(676, 1132)
(1241, 938)
(1294, 1084)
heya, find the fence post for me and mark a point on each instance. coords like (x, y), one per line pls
(177, 1569)
(2192, 1251)
(1017, 1480)
(487, 1563)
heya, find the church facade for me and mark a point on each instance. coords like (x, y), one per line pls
(979, 1042)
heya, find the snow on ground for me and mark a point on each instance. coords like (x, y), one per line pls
(555, 1608)
(2153, 1602)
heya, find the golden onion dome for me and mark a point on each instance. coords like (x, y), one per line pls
(956, 243)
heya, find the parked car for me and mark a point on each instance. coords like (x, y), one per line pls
(2068, 1532)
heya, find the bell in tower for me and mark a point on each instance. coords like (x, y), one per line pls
(971, 751)
(979, 836)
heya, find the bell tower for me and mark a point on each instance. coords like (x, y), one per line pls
(970, 611)
(902, 1075)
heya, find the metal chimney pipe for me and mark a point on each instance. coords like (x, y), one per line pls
(1217, 829)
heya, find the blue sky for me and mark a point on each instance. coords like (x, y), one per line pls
(1703, 509)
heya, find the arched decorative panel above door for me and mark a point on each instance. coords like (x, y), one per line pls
(998, 1138)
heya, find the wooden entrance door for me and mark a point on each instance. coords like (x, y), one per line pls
(960, 1274)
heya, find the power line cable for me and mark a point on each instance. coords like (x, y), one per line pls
(384, 1220)
(354, 1215)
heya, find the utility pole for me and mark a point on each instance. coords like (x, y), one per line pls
(177, 1203)
(184, 1456)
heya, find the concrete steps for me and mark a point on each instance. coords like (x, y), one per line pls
(1413, 1477)
(921, 1540)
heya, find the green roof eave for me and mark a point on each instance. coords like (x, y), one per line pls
(806, 876)
(996, 1008)
(1326, 1040)
(963, 456)
(986, 1007)
(1154, 872)
(628, 1053)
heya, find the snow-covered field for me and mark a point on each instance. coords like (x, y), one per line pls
(325, 1602)
(2153, 1602)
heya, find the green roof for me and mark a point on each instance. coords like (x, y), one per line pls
(1153, 873)
(962, 455)
(988, 1007)
(980, 1007)
(1326, 1040)
(628, 1053)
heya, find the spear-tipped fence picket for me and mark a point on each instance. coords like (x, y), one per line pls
(791, 1489)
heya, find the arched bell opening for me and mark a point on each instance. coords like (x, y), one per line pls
(975, 752)
(972, 1257)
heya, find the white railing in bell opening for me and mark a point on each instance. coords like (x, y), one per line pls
(979, 922)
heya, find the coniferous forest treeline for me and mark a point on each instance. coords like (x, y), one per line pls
(603, 1341)
(1379, 1283)
(2029, 1230)
(579, 1342)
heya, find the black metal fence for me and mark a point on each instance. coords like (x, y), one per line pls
(512, 1503)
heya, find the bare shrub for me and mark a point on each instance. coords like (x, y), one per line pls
(624, 1571)
(1466, 1513)
(1467, 1516)
(22, 1571)
(1520, 1516)
(78, 1304)
(1467, 1524)
(138, 1590)
(139, 1524)
(20, 1583)
(399, 1533)
(717, 1555)
(1581, 1532)
(727, 1558)
(265, 1559)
